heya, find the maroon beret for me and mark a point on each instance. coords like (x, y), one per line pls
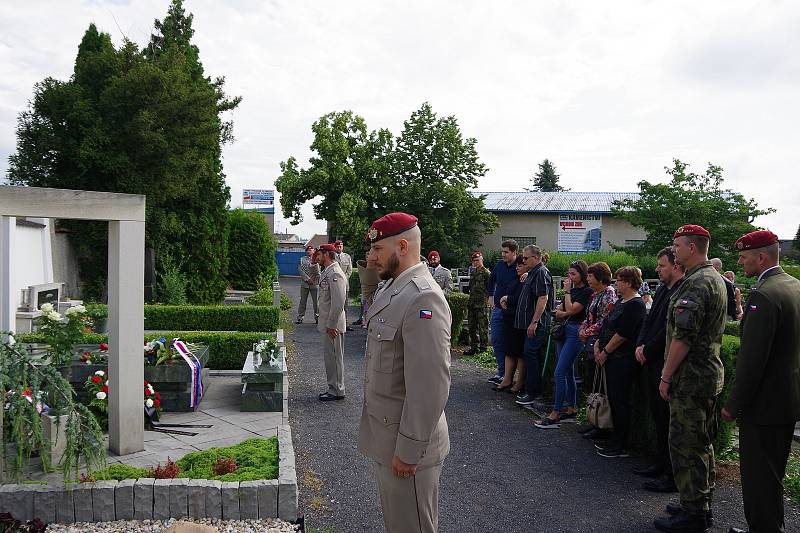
(433, 253)
(327, 248)
(390, 225)
(691, 229)
(476, 255)
(756, 239)
(337, 243)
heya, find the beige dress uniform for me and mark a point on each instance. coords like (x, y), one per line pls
(346, 262)
(332, 299)
(443, 278)
(406, 387)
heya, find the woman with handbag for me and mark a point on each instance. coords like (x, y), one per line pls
(514, 339)
(614, 352)
(571, 313)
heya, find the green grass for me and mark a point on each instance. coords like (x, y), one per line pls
(484, 359)
(257, 459)
(791, 482)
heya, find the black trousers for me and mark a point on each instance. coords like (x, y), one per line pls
(763, 452)
(660, 412)
(620, 372)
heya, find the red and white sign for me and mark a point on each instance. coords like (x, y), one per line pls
(579, 233)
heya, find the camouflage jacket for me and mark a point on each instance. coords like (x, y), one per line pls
(696, 316)
(478, 282)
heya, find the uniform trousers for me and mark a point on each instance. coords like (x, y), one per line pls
(763, 452)
(410, 505)
(478, 327)
(692, 428)
(333, 350)
(304, 292)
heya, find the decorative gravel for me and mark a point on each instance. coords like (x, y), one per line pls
(266, 525)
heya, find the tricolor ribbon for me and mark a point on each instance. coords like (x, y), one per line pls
(195, 366)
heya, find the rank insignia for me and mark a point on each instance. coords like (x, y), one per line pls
(425, 313)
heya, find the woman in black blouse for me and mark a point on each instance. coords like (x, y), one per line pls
(615, 351)
(513, 339)
(577, 295)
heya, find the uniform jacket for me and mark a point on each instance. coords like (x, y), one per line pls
(478, 288)
(332, 298)
(309, 272)
(443, 278)
(346, 262)
(407, 380)
(696, 316)
(767, 385)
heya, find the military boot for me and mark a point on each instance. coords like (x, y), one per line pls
(676, 508)
(684, 522)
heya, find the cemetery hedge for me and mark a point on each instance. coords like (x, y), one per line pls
(227, 349)
(211, 317)
(732, 328)
(458, 311)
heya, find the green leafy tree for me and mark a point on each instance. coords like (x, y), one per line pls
(144, 122)
(546, 180)
(251, 250)
(796, 241)
(690, 198)
(435, 169)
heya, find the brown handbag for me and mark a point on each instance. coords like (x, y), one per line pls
(598, 408)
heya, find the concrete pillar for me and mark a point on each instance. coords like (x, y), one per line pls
(8, 300)
(126, 336)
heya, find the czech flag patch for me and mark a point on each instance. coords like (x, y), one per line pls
(424, 313)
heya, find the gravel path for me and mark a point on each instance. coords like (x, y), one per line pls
(503, 474)
(157, 526)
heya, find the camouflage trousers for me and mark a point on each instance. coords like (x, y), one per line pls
(692, 428)
(478, 319)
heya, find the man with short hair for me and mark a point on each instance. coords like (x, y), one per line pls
(534, 313)
(650, 353)
(729, 287)
(477, 317)
(765, 395)
(691, 379)
(440, 274)
(403, 426)
(332, 323)
(344, 260)
(309, 281)
(503, 275)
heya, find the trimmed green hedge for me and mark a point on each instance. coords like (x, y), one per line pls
(458, 310)
(559, 262)
(227, 350)
(732, 328)
(211, 317)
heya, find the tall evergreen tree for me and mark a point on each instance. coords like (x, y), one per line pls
(546, 180)
(145, 123)
(796, 242)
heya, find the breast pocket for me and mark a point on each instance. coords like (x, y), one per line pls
(386, 348)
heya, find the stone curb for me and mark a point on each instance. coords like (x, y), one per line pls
(148, 498)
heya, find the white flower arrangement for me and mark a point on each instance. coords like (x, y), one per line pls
(75, 310)
(267, 348)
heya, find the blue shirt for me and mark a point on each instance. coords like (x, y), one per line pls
(501, 278)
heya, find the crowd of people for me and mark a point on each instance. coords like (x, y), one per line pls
(607, 320)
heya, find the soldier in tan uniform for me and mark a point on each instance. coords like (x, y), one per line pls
(407, 383)
(332, 321)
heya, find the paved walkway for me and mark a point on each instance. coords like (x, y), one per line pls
(503, 474)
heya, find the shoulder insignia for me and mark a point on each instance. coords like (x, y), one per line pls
(426, 314)
(421, 283)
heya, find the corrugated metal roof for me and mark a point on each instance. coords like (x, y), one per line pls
(554, 202)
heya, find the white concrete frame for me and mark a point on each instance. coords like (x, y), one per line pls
(125, 214)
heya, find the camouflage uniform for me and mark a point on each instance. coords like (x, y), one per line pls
(696, 316)
(477, 314)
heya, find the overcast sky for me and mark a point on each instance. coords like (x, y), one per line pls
(611, 96)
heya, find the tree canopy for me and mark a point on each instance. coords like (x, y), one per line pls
(546, 180)
(430, 170)
(690, 198)
(144, 122)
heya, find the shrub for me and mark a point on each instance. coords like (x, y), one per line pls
(732, 328)
(227, 349)
(260, 297)
(251, 250)
(211, 317)
(173, 285)
(458, 311)
(224, 465)
(559, 262)
(119, 472)
(286, 302)
(256, 459)
(168, 471)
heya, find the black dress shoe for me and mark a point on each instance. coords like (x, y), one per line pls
(684, 522)
(663, 484)
(471, 351)
(586, 429)
(502, 388)
(676, 508)
(649, 471)
(328, 397)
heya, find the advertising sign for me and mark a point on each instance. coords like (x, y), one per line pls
(578, 233)
(262, 200)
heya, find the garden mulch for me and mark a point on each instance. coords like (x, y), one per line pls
(503, 474)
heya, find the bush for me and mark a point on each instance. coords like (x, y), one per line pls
(119, 472)
(732, 328)
(286, 302)
(251, 250)
(458, 311)
(559, 262)
(256, 459)
(211, 317)
(354, 288)
(173, 285)
(227, 350)
(260, 297)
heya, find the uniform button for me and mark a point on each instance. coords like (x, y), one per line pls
(385, 420)
(379, 335)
